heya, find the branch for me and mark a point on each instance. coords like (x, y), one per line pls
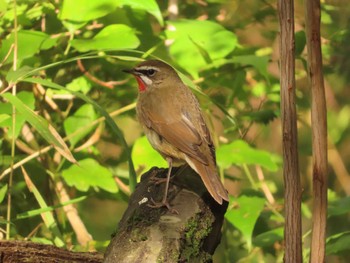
(109, 84)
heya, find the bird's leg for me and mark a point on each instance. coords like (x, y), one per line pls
(158, 180)
(164, 201)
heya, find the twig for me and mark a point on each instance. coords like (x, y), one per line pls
(7, 55)
(83, 236)
(92, 140)
(122, 186)
(13, 139)
(264, 186)
(109, 84)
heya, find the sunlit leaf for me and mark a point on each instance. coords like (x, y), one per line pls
(145, 157)
(81, 118)
(3, 191)
(86, 10)
(89, 173)
(149, 6)
(79, 84)
(41, 125)
(193, 38)
(28, 99)
(243, 215)
(30, 42)
(239, 152)
(111, 37)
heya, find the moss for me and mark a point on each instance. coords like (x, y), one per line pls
(197, 229)
(169, 253)
(138, 235)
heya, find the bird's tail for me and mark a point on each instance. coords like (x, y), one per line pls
(210, 178)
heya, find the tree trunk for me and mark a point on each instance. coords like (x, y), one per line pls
(148, 234)
(292, 196)
(319, 131)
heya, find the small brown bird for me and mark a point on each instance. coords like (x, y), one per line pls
(174, 125)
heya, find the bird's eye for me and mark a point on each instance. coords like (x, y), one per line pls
(151, 72)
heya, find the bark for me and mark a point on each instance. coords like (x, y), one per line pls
(319, 131)
(22, 251)
(292, 233)
(148, 234)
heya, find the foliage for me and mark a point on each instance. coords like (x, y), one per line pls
(74, 103)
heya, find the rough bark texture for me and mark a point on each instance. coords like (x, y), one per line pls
(29, 252)
(319, 131)
(148, 234)
(292, 196)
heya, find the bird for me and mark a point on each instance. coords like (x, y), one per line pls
(173, 123)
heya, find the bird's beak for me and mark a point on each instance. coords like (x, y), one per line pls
(131, 71)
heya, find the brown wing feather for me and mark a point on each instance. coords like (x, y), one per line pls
(178, 133)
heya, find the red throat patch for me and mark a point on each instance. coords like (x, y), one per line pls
(142, 85)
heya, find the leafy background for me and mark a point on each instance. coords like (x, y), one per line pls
(71, 93)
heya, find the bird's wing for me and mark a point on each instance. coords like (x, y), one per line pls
(178, 132)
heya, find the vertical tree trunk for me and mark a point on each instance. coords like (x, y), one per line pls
(292, 228)
(319, 131)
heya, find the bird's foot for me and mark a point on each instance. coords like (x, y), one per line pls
(162, 204)
(157, 180)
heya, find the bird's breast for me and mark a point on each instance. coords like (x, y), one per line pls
(163, 147)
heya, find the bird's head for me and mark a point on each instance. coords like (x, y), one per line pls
(153, 74)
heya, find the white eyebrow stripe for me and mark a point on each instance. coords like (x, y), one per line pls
(147, 68)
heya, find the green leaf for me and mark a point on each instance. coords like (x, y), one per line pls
(260, 63)
(12, 76)
(3, 191)
(26, 98)
(41, 125)
(79, 84)
(3, 118)
(300, 42)
(29, 43)
(338, 244)
(89, 173)
(197, 41)
(36, 212)
(243, 215)
(86, 10)
(149, 6)
(269, 238)
(115, 37)
(81, 118)
(339, 207)
(144, 156)
(115, 129)
(46, 216)
(239, 152)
